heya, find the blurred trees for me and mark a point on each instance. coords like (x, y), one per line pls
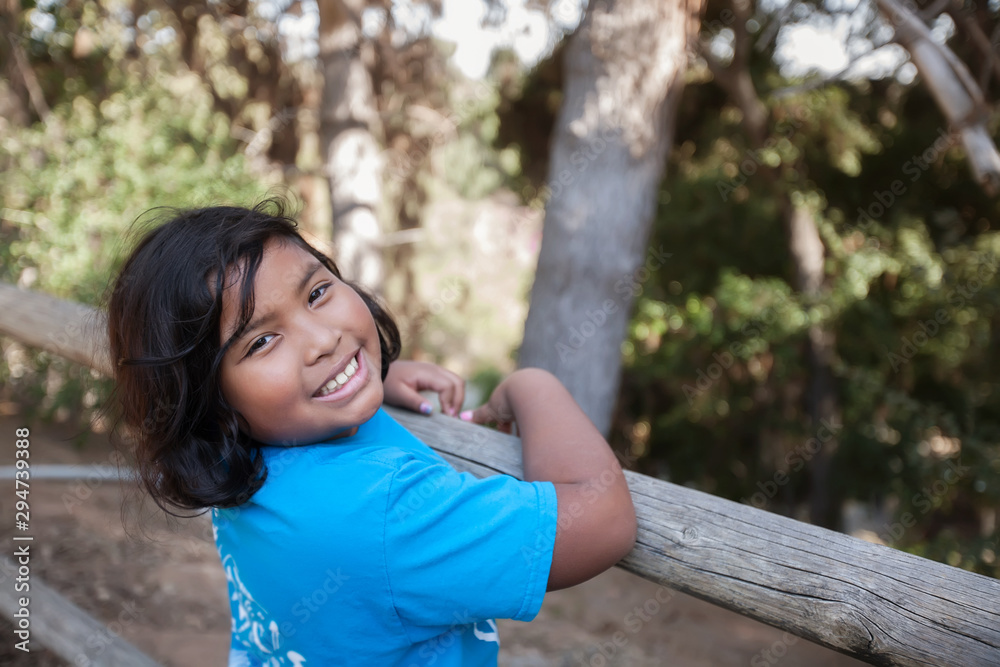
(719, 383)
(949, 80)
(805, 247)
(116, 108)
(890, 281)
(819, 225)
(118, 134)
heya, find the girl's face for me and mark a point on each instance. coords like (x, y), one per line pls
(308, 366)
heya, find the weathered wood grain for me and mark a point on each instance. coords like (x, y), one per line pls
(880, 605)
(71, 330)
(65, 629)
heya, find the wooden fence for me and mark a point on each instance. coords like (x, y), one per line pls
(880, 605)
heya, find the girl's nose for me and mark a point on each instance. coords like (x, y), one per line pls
(320, 339)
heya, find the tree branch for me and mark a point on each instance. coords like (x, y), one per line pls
(934, 10)
(979, 40)
(992, 64)
(820, 82)
(957, 94)
(30, 79)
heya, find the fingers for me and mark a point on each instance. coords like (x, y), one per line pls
(449, 387)
(453, 395)
(407, 378)
(487, 414)
(481, 415)
(405, 396)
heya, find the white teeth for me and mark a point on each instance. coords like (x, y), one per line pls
(341, 378)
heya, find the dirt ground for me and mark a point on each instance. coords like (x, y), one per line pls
(167, 593)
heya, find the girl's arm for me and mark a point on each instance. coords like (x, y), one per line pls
(597, 524)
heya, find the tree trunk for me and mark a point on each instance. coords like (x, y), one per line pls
(13, 94)
(624, 76)
(808, 254)
(349, 122)
(19, 85)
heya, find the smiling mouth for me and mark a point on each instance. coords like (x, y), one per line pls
(339, 380)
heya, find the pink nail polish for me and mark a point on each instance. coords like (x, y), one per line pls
(425, 408)
(466, 416)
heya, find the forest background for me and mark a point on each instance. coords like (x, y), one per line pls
(108, 109)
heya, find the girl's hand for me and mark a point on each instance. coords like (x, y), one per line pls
(406, 378)
(496, 411)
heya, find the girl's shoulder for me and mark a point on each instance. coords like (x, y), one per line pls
(380, 447)
(357, 477)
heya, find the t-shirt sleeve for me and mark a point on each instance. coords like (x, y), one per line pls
(461, 549)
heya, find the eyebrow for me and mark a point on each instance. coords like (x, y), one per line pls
(260, 320)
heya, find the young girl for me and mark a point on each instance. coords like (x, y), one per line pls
(251, 377)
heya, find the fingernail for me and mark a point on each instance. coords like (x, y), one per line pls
(426, 408)
(466, 416)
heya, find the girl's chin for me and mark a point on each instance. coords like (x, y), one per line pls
(345, 432)
(300, 441)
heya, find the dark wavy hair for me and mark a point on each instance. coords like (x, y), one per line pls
(164, 312)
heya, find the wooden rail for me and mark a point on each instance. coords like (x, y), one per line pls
(880, 605)
(65, 629)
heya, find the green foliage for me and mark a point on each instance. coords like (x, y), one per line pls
(76, 182)
(469, 166)
(73, 185)
(717, 379)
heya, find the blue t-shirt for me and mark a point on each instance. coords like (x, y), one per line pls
(373, 550)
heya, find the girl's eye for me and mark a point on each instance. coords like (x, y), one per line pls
(318, 292)
(259, 343)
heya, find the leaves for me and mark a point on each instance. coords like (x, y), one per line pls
(717, 367)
